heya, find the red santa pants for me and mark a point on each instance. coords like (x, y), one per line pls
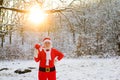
(47, 75)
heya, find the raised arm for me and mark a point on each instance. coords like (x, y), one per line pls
(37, 53)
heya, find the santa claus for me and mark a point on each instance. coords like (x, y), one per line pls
(46, 56)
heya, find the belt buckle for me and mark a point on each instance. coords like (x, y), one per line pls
(47, 69)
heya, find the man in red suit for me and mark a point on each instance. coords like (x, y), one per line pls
(46, 56)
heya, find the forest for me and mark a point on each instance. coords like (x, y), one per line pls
(76, 27)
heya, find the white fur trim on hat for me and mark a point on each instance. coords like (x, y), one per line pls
(47, 41)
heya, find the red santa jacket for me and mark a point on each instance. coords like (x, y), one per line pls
(42, 57)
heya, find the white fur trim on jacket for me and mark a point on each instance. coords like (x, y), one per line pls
(48, 56)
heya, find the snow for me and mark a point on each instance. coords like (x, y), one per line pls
(67, 69)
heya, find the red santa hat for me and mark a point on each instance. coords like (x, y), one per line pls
(47, 40)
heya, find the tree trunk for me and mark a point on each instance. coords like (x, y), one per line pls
(10, 38)
(2, 40)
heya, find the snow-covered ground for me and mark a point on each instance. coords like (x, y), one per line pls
(67, 69)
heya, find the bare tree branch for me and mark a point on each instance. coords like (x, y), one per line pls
(13, 9)
(54, 11)
(27, 11)
(71, 3)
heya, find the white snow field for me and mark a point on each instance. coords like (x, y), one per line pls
(67, 69)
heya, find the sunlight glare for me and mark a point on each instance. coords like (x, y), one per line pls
(36, 15)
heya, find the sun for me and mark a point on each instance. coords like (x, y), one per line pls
(37, 15)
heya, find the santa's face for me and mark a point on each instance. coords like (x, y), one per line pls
(47, 45)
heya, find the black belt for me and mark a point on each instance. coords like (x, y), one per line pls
(47, 69)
